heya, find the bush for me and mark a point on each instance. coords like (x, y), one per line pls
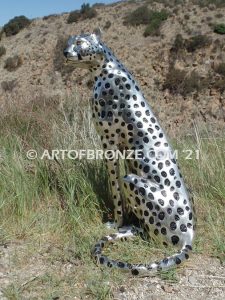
(179, 43)
(219, 28)
(174, 80)
(98, 5)
(107, 25)
(51, 17)
(86, 12)
(197, 42)
(13, 63)
(220, 69)
(15, 25)
(74, 16)
(179, 82)
(153, 28)
(203, 3)
(141, 15)
(8, 85)
(144, 16)
(2, 51)
(220, 85)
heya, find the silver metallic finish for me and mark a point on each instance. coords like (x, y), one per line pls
(153, 187)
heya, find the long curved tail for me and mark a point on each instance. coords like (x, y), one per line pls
(136, 269)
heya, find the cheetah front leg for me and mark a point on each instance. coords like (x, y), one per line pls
(114, 175)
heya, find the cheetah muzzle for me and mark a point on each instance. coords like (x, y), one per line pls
(153, 189)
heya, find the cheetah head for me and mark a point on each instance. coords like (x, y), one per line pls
(84, 50)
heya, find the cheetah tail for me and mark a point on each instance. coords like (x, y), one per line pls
(136, 269)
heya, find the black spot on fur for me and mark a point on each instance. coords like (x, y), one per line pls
(175, 239)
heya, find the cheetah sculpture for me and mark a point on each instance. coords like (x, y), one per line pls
(153, 189)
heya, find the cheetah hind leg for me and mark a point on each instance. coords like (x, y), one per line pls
(135, 183)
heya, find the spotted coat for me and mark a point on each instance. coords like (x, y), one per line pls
(153, 188)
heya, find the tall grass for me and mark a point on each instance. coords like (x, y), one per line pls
(63, 202)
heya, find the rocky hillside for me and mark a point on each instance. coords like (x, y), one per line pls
(180, 66)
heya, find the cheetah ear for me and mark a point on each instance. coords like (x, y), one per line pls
(98, 32)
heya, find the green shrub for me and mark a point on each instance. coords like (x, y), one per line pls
(220, 69)
(219, 28)
(86, 12)
(13, 63)
(2, 51)
(98, 5)
(197, 42)
(74, 16)
(51, 17)
(179, 43)
(145, 16)
(152, 29)
(156, 19)
(15, 25)
(141, 15)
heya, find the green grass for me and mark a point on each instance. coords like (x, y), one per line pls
(54, 209)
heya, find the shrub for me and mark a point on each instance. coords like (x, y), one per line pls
(179, 43)
(107, 25)
(179, 82)
(74, 16)
(219, 15)
(152, 19)
(153, 28)
(8, 85)
(219, 28)
(203, 3)
(98, 5)
(13, 63)
(220, 85)
(220, 69)
(141, 15)
(192, 83)
(196, 42)
(86, 12)
(15, 25)
(174, 80)
(2, 51)
(51, 17)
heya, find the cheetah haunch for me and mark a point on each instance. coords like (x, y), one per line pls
(153, 188)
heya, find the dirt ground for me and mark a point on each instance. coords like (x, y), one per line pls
(201, 278)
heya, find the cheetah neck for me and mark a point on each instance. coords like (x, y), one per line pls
(109, 63)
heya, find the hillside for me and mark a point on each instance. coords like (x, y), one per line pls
(53, 207)
(182, 83)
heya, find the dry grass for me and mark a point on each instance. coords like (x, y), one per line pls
(54, 208)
